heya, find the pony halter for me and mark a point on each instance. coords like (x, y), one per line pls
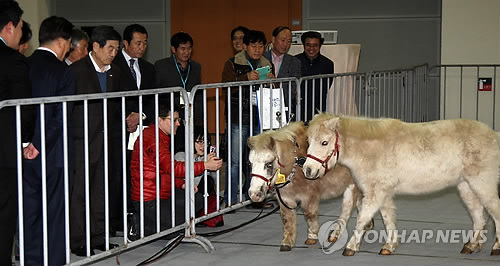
(334, 152)
(267, 180)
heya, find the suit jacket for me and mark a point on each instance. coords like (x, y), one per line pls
(168, 76)
(14, 84)
(290, 67)
(128, 83)
(88, 82)
(51, 77)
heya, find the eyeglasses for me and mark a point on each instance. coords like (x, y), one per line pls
(178, 119)
(201, 142)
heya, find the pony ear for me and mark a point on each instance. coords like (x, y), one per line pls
(250, 143)
(332, 123)
(270, 145)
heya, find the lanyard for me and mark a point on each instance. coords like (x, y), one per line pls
(184, 81)
(250, 64)
(3, 41)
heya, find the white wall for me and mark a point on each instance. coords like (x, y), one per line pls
(470, 33)
(35, 11)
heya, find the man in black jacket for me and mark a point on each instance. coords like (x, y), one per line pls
(136, 74)
(95, 73)
(313, 63)
(14, 84)
(49, 76)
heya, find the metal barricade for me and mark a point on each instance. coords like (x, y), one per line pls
(64, 105)
(468, 91)
(402, 94)
(241, 116)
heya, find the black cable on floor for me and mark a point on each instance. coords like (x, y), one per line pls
(177, 240)
(164, 251)
(239, 226)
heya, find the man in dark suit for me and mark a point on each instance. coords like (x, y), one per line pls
(136, 74)
(14, 84)
(49, 76)
(285, 65)
(95, 73)
(180, 70)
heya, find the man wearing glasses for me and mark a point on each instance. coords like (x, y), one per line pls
(149, 149)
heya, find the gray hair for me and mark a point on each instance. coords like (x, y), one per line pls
(76, 36)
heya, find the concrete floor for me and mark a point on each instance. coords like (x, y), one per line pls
(258, 243)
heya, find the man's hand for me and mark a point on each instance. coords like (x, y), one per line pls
(132, 122)
(30, 152)
(213, 163)
(195, 188)
(253, 75)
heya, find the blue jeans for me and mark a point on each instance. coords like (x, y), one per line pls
(234, 164)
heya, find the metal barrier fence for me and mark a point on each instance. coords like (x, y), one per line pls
(63, 105)
(468, 91)
(401, 94)
(405, 94)
(245, 116)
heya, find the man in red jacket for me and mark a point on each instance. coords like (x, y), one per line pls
(165, 164)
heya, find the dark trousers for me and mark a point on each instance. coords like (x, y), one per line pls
(165, 212)
(33, 218)
(8, 213)
(96, 195)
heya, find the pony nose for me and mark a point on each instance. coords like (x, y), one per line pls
(256, 196)
(308, 171)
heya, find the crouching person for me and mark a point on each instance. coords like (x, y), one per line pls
(165, 163)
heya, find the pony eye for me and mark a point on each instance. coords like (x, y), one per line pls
(269, 165)
(324, 143)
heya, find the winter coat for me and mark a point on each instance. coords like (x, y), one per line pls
(149, 166)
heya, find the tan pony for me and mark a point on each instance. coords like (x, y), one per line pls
(388, 157)
(276, 152)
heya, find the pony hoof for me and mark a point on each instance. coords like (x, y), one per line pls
(332, 239)
(285, 248)
(385, 251)
(348, 252)
(467, 250)
(311, 241)
(495, 252)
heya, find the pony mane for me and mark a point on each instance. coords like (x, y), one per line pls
(362, 127)
(264, 140)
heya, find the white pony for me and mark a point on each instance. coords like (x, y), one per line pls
(276, 153)
(388, 157)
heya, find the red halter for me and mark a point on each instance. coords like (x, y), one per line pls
(268, 180)
(335, 152)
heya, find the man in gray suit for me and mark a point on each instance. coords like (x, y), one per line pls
(285, 65)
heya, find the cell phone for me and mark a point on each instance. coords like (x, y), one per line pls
(263, 71)
(213, 149)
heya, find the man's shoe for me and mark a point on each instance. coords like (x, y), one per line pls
(82, 251)
(102, 247)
